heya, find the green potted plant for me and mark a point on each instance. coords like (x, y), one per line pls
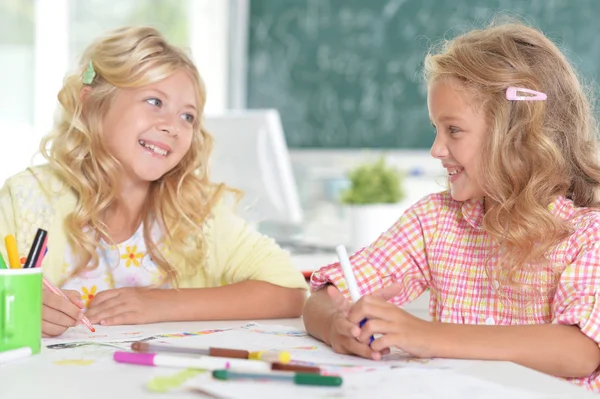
(375, 199)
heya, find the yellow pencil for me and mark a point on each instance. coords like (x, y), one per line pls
(13, 252)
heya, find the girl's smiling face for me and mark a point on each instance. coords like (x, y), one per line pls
(149, 129)
(460, 128)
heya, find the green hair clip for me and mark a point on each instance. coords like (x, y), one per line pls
(89, 74)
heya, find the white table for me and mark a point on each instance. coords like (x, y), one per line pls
(37, 378)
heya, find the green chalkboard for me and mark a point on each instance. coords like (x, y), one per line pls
(347, 73)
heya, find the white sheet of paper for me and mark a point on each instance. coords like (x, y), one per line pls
(109, 334)
(405, 383)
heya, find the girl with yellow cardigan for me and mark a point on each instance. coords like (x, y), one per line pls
(137, 233)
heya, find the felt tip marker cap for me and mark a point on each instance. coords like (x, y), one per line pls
(14, 354)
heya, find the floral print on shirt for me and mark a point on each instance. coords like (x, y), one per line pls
(126, 264)
(88, 294)
(132, 257)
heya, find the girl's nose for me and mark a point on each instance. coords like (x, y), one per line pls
(439, 149)
(167, 127)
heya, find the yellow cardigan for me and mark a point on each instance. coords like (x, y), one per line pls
(38, 198)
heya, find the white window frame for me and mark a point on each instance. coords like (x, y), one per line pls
(217, 43)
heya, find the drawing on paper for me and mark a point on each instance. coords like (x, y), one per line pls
(274, 330)
(74, 362)
(189, 334)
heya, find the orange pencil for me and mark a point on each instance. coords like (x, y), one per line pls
(55, 290)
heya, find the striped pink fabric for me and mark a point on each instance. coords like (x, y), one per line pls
(439, 244)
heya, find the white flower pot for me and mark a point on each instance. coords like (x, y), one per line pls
(369, 221)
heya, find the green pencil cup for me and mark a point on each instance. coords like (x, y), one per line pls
(21, 309)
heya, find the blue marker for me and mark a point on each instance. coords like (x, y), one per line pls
(350, 279)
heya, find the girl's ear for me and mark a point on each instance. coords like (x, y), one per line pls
(84, 93)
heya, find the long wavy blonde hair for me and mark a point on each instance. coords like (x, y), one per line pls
(180, 201)
(534, 151)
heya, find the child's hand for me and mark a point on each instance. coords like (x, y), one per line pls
(398, 327)
(58, 313)
(128, 306)
(342, 335)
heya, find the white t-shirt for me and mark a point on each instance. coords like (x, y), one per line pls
(123, 265)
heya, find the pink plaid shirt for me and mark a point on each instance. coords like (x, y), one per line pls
(439, 244)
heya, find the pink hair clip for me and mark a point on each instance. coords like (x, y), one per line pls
(511, 94)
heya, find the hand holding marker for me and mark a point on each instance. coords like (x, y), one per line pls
(34, 259)
(350, 279)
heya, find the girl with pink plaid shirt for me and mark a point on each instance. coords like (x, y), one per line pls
(511, 252)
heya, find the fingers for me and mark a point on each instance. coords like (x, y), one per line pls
(353, 347)
(106, 309)
(52, 330)
(103, 296)
(375, 326)
(343, 327)
(59, 318)
(60, 304)
(74, 297)
(122, 318)
(58, 314)
(339, 300)
(383, 343)
(343, 339)
(371, 307)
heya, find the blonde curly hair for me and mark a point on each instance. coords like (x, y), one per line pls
(180, 201)
(535, 151)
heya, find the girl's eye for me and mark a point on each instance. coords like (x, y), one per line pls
(188, 118)
(453, 129)
(154, 101)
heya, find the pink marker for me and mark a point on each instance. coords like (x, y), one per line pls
(184, 362)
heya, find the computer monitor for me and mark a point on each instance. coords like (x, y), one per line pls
(250, 153)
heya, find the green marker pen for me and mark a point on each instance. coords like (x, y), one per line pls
(296, 378)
